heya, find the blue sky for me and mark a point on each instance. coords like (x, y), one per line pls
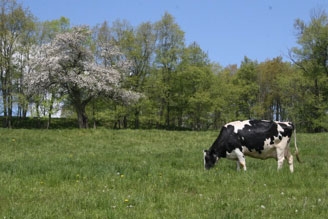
(227, 30)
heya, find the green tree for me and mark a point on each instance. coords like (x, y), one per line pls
(295, 97)
(47, 101)
(15, 23)
(113, 44)
(225, 95)
(169, 47)
(269, 105)
(24, 51)
(191, 102)
(312, 57)
(142, 57)
(248, 89)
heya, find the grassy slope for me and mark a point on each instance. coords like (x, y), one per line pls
(151, 174)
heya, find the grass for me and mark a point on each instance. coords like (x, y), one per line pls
(151, 174)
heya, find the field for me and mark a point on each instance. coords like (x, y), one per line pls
(152, 174)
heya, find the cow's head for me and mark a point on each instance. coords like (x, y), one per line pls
(209, 159)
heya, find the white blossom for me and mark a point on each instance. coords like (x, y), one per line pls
(67, 62)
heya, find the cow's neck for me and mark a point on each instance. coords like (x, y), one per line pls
(218, 149)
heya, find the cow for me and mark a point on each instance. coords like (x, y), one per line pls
(260, 139)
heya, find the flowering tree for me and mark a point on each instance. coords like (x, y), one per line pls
(68, 65)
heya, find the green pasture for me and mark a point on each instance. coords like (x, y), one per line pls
(152, 174)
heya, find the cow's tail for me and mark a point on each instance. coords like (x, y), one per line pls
(296, 148)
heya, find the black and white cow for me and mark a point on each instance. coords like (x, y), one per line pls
(260, 139)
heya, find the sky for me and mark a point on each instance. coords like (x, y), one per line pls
(227, 30)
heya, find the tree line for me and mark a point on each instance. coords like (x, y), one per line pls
(147, 77)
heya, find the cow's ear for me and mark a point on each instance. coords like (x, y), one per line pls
(215, 156)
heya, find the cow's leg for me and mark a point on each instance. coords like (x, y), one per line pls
(238, 165)
(280, 157)
(289, 158)
(241, 159)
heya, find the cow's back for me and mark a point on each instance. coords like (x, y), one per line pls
(253, 134)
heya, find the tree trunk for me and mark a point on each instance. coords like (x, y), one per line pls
(136, 118)
(125, 122)
(82, 117)
(168, 111)
(5, 113)
(168, 116)
(94, 115)
(10, 112)
(50, 111)
(49, 121)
